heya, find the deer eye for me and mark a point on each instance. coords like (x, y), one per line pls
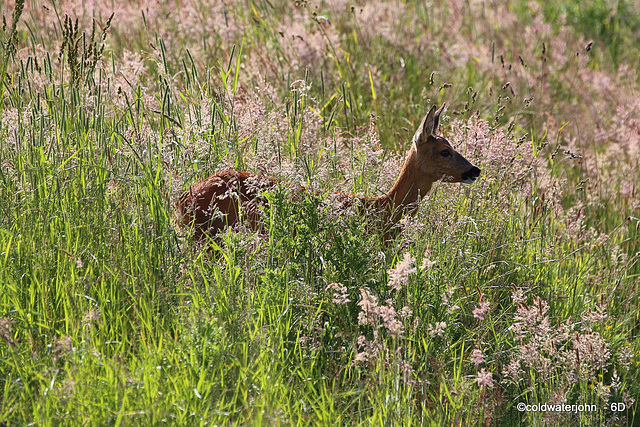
(445, 153)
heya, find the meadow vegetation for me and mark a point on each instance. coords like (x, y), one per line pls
(523, 288)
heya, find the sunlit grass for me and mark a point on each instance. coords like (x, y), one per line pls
(111, 314)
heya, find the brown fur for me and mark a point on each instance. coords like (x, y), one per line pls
(224, 198)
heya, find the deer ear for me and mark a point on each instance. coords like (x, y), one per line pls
(428, 126)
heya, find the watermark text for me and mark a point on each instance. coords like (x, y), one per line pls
(561, 407)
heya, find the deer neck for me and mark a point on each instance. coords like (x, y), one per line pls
(410, 186)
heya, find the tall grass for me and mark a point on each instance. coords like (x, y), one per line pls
(520, 289)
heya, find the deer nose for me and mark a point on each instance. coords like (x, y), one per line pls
(471, 175)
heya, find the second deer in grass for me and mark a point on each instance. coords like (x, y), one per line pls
(218, 201)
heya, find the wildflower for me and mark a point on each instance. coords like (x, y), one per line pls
(6, 330)
(370, 349)
(446, 300)
(480, 311)
(477, 357)
(340, 294)
(624, 356)
(512, 373)
(532, 315)
(399, 274)
(426, 262)
(368, 305)
(595, 316)
(384, 316)
(592, 352)
(438, 329)
(389, 319)
(604, 392)
(628, 400)
(615, 381)
(406, 312)
(484, 378)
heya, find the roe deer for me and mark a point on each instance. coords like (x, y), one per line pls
(217, 201)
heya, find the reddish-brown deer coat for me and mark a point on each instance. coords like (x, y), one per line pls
(225, 198)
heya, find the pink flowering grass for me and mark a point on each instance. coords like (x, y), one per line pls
(521, 288)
